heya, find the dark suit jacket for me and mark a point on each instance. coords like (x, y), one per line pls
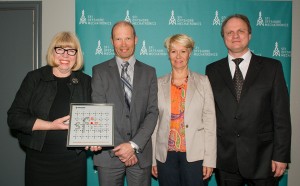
(136, 124)
(256, 130)
(34, 100)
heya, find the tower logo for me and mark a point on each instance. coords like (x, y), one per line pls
(82, 18)
(99, 49)
(216, 19)
(260, 21)
(127, 18)
(144, 49)
(172, 20)
(276, 51)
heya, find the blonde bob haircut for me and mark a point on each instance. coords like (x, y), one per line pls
(181, 39)
(64, 40)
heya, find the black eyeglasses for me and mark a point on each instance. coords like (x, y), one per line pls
(70, 52)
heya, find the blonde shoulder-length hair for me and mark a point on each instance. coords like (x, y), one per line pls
(63, 40)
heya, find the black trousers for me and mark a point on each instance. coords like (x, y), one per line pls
(177, 171)
(235, 179)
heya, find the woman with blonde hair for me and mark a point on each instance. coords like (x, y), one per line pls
(184, 140)
(40, 111)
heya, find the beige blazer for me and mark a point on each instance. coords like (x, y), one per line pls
(199, 120)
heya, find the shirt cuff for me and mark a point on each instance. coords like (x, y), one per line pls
(134, 146)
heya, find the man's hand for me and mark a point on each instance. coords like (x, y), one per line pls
(278, 168)
(124, 151)
(132, 161)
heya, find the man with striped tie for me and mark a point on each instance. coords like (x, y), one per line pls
(132, 87)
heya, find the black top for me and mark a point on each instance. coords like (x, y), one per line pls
(56, 140)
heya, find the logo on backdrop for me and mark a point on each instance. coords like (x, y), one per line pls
(181, 21)
(127, 18)
(91, 20)
(151, 50)
(99, 49)
(144, 50)
(82, 18)
(203, 52)
(104, 50)
(281, 51)
(260, 21)
(267, 21)
(217, 20)
(135, 20)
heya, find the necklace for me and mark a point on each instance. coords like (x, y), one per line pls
(179, 85)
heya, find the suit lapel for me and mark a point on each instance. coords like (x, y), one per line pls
(254, 68)
(226, 74)
(166, 88)
(138, 71)
(115, 76)
(136, 83)
(191, 87)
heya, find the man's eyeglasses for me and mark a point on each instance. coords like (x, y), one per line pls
(70, 52)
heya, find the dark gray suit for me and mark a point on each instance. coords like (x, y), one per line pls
(256, 130)
(136, 124)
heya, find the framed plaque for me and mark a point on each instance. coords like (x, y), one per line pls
(91, 125)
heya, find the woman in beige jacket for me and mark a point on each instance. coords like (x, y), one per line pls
(184, 140)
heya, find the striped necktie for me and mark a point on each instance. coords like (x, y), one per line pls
(126, 82)
(238, 79)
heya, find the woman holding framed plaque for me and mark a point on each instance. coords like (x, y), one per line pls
(40, 112)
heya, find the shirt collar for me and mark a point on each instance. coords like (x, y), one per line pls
(131, 62)
(246, 57)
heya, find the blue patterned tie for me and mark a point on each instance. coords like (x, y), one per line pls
(238, 79)
(126, 83)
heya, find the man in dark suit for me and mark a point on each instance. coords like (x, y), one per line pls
(252, 109)
(132, 87)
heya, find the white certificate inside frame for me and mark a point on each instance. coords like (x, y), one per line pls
(91, 125)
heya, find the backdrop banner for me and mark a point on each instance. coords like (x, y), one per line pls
(155, 20)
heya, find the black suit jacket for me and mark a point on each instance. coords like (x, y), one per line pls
(256, 130)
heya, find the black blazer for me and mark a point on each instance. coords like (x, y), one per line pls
(256, 130)
(34, 99)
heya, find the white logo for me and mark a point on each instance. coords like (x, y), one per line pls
(104, 50)
(181, 21)
(260, 21)
(127, 18)
(151, 50)
(144, 49)
(281, 51)
(216, 19)
(267, 21)
(135, 20)
(99, 49)
(172, 20)
(90, 20)
(82, 18)
(276, 51)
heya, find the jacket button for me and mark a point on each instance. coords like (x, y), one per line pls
(128, 134)
(238, 135)
(187, 126)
